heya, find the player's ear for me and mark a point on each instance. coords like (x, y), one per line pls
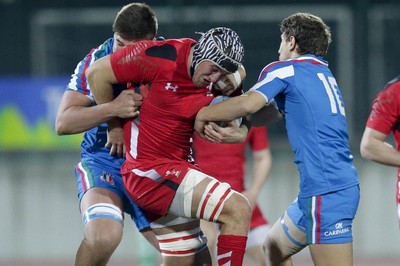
(293, 43)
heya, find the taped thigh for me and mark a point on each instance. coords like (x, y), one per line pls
(212, 200)
(169, 220)
(294, 233)
(182, 202)
(102, 210)
(183, 243)
(285, 236)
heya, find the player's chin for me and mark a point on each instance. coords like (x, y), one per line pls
(200, 83)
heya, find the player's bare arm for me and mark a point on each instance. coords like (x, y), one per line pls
(100, 78)
(373, 147)
(74, 104)
(229, 110)
(71, 106)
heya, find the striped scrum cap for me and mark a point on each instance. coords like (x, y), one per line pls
(220, 45)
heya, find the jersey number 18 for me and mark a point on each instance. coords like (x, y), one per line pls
(331, 88)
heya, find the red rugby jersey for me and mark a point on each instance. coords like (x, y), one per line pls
(385, 113)
(226, 162)
(168, 112)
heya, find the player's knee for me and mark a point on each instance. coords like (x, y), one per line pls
(103, 226)
(237, 209)
(104, 241)
(242, 207)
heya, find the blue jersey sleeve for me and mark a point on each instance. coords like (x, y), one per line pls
(78, 79)
(272, 79)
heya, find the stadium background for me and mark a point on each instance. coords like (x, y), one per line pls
(43, 40)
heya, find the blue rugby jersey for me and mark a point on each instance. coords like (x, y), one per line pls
(306, 91)
(92, 146)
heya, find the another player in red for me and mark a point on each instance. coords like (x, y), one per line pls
(383, 119)
(157, 173)
(227, 163)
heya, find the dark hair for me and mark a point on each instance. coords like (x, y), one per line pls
(312, 35)
(136, 21)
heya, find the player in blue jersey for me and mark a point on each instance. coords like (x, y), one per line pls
(307, 94)
(102, 196)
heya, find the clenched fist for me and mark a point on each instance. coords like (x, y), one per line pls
(127, 104)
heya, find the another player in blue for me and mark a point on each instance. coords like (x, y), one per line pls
(102, 196)
(308, 96)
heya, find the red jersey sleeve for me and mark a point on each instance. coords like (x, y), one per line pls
(131, 64)
(258, 138)
(385, 111)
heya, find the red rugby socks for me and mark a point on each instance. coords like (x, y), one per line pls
(230, 250)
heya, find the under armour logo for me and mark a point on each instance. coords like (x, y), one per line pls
(174, 88)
